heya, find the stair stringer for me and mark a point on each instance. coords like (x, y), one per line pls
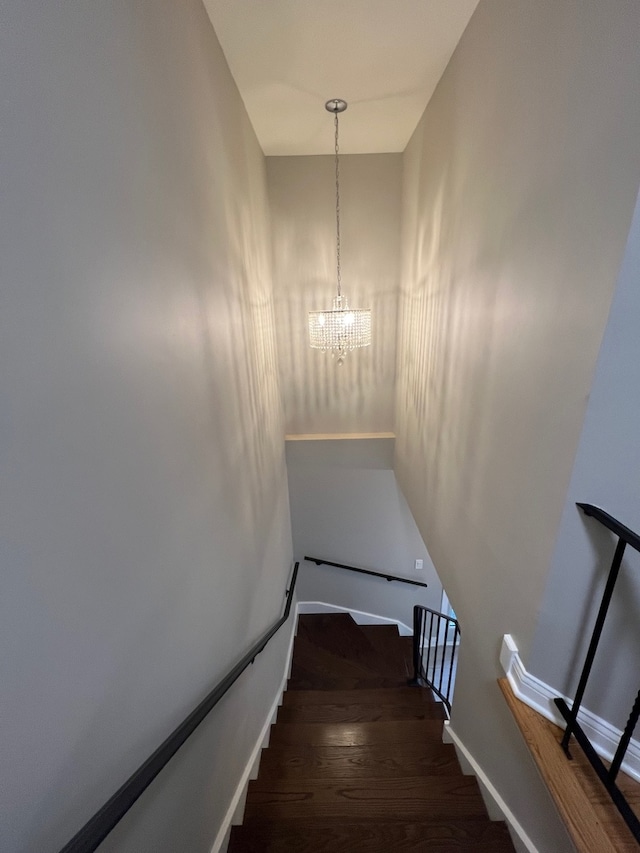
(235, 813)
(496, 806)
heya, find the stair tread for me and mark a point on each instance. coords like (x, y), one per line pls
(382, 630)
(301, 680)
(319, 626)
(437, 836)
(308, 656)
(359, 712)
(338, 634)
(356, 761)
(417, 696)
(288, 761)
(357, 734)
(386, 642)
(408, 798)
(406, 649)
(384, 695)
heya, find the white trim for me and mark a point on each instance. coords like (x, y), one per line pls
(235, 812)
(493, 800)
(336, 436)
(360, 617)
(539, 696)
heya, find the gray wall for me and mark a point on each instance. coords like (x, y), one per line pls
(346, 507)
(319, 395)
(519, 186)
(606, 473)
(145, 531)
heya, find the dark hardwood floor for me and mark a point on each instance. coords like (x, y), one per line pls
(356, 760)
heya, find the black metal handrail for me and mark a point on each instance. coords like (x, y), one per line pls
(606, 775)
(87, 839)
(387, 577)
(435, 648)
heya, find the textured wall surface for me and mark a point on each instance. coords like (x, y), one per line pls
(519, 187)
(145, 532)
(319, 395)
(607, 474)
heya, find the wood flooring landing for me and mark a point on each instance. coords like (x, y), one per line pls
(356, 762)
(592, 820)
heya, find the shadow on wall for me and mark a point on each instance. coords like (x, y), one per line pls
(445, 379)
(319, 395)
(238, 343)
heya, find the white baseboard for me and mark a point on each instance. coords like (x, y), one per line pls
(235, 812)
(539, 696)
(496, 806)
(360, 617)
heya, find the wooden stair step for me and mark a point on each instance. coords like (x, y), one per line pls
(333, 631)
(338, 634)
(416, 696)
(356, 734)
(406, 650)
(356, 762)
(406, 799)
(311, 658)
(306, 676)
(358, 712)
(388, 646)
(463, 836)
(301, 680)
(380, 761)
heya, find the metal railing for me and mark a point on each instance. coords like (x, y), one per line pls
(87, 839)
(436, 637)
(387, 577)
(607, 775)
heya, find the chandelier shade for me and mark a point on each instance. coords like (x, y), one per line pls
(340, 329)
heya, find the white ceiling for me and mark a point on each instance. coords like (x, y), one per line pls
(384, 57)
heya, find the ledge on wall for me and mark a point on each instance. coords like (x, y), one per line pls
(336, 436)
(592, 820)
(539, 696)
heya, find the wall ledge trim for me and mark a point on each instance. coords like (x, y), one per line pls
(336, 436)
(539, 696)
(360, 617)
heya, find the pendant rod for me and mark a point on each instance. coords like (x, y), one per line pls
(336, 106)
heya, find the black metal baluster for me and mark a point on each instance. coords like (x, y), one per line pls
(607, 775)
(429, 659)
(442, 656)
(624, 740)
(595, 639)
(417, 656)
(423, 632)
(454, 650)
(426, 669)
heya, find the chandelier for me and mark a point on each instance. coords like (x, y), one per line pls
(340, 328)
